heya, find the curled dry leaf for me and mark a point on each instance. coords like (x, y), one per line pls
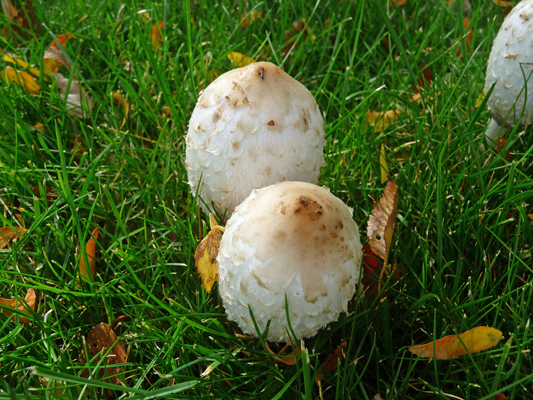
(23, 306)
(7, 234)
(452, 346)
(90, 249)
(329, 365)
(289, 358)
(78, 102)
(102, 341)
(205, 256)
(119, 99)
(155, 35)
(381, 222)
(250, 17)
(53, 59)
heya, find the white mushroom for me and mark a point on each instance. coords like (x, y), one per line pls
(510, 66)
(252, 127)
(293, 241)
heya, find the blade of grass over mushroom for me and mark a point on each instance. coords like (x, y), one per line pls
(452, 346)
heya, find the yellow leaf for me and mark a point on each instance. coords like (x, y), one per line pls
(90, 249)
(205, 256)
(239, 60)
(22, 79)
(381, 222)
(23, 64)
(384, 168)
(380, 120)
(7, 234)
(530, 216)
(452, 346)
(30, 299)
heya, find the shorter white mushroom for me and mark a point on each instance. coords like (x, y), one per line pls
(294, 244)
(509, 69)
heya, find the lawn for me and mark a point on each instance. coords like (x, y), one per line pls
(463, 238)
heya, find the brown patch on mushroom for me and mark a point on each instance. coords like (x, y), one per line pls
(237, 97)
(216, 116)
(268, 171)
(271, 123)
(309, 207)
(235, 145)
(525, 15)
(244, 289)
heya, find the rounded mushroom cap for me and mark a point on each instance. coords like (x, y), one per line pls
(510, 66)
(290, 239)
(252, 127)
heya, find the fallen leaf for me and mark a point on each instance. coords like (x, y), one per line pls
(7, 234)
(291, 35)
(20, 24)
(23, 64)
(63, 39)
(155, 35)
(79, 103)
(53, 59)
(205, 257)
(121, 100)
(9, 10)
(330, 365)
(380, 120)
(530, 216)
(31, 296)
(90, 249)
(500, 145)
(452, 346)
(468, 36)
(397, 3)
(424, 79)
(239, 60)
(289, 358)
(22, 79)
(102, 341)
(383, 167)
(500, 396)
(250, 17)
(381, 223)
(371, 273)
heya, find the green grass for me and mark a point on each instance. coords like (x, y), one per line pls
(463, 235)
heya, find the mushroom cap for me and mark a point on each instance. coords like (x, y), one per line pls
(510, 66)
(292, 240)
(252, 127)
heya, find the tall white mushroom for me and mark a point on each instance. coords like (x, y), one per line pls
(510, 66)
(291, 242)
(252, 127)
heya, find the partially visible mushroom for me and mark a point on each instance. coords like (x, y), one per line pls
(291, 242)
(252, 127)
(510, 67)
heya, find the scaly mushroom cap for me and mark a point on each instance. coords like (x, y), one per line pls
(291, 239)
(252, 127)
(510, 66)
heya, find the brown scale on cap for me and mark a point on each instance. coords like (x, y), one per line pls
(307, 238)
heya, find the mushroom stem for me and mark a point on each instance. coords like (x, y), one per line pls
(493, 131)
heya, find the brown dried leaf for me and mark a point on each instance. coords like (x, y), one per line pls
(78, 101)
(53, 59)
(155, 35)
(381, 222)
(90, 249)
(103, 341)
(330, 365)
(205, 257)
(472, 341)
(30, 299)
(289, 359)
(8, 234)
